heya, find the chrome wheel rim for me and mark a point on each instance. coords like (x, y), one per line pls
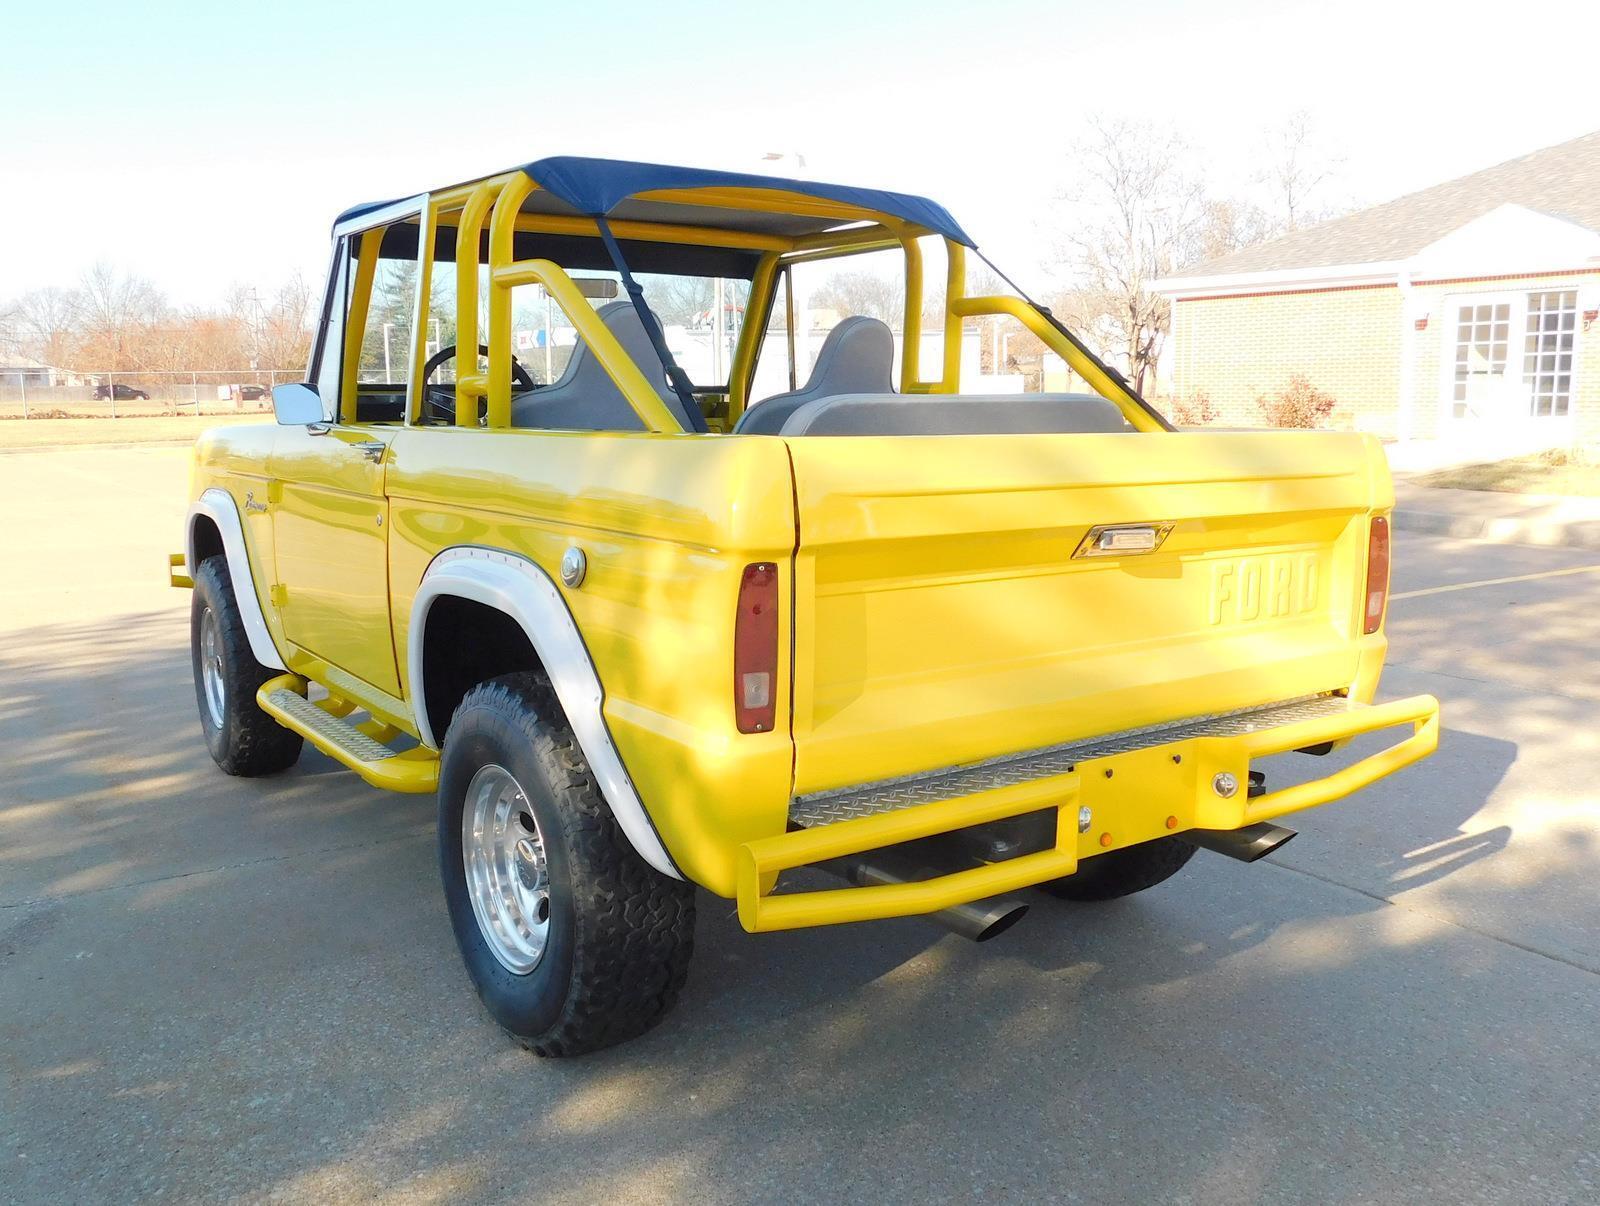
(507, 879)
(215, 691)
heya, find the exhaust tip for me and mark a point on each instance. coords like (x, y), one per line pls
(1001, 918)
(1247, 844)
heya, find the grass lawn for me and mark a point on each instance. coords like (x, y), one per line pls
(1542, 473)
(68, 433)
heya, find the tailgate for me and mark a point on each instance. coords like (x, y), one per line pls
(941, 616)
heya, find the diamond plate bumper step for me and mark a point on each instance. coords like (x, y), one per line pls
(1170, 779)
(414, 770)
(868, 799)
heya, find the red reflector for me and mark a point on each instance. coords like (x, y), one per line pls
(1376, 597)
(755, 649)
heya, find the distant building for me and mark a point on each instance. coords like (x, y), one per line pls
(19, 372)
(1466, 312)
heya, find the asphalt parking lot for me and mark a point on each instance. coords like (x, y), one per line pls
(217, 988)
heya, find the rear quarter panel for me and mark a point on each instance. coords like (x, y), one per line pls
(667, 524)
(236, 459)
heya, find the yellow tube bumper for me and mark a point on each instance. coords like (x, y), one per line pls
(1131, 797)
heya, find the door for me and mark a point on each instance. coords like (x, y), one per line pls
(1511, 358)
(330, 525)
(330, 516)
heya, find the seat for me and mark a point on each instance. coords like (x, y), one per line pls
(585, 398)
(954, 414)
(856, 358)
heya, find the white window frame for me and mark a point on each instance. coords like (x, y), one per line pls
(1517, 332)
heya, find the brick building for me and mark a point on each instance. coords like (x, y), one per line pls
(1466, 313)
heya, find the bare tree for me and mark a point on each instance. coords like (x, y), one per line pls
(1228, 224)
(117, 313)
(1297, 167)
(45, 320)
(286, 329)
(862, 291)
(1137, 211)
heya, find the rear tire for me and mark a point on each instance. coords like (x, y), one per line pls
(243, 739)
(573, 941)
(1123, 872)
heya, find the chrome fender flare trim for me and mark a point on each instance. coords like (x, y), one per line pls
(520, 589)
(218, 506)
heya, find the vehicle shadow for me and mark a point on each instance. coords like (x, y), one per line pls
(216, 987)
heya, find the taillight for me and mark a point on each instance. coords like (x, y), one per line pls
(1377, 595)
(755, 649)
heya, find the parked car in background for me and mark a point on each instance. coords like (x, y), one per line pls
(253, 393)
(119, 392)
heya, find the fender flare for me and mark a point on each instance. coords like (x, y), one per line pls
(218, 506)
(520, 589)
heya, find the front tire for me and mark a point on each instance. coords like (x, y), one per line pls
(573, 941)
(243, 739)
(1123, 872)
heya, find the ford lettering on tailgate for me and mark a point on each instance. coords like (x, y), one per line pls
(1266, 587)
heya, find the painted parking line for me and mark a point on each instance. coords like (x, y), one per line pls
(1442, 590)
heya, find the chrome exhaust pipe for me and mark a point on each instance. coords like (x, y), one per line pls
(978, 920)
(1246, 845)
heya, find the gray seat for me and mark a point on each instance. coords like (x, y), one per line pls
(585, 398)
(955, 414)
(857, 357)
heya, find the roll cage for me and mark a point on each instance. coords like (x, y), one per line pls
(504, 230)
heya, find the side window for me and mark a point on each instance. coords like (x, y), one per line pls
(384, 365)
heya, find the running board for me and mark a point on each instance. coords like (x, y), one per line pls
(361, 746)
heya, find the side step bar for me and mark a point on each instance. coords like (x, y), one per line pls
(361, 746)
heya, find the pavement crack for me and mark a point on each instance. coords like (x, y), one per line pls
(1465, 927)
(404, 836)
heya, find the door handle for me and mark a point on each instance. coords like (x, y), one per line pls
(373, 450)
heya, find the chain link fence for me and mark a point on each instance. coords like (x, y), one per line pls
(91, 394)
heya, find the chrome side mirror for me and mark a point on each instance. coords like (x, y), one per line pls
(296, 405)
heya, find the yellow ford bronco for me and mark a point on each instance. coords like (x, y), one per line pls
(610, 513)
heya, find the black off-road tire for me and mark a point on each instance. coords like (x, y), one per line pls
(247, 741)
(1123, 872)
(620, 932)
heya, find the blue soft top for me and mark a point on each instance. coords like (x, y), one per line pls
(596, 187)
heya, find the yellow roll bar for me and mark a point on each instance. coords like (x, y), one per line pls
(647, 404)
(356, 321)
(498, 201)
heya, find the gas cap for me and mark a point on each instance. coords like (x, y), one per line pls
(574, 565)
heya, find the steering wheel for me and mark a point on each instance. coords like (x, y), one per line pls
(441, 399)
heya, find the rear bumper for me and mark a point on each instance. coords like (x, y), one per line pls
(1136, 787)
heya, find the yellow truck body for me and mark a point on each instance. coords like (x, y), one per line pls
(1107, 626)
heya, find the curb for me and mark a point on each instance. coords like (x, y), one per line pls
(1576, 534)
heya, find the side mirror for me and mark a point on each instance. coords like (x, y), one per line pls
(296, 405)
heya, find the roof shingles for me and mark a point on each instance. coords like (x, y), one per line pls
(1562, 181)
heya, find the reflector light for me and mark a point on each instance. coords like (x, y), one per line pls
(755, 649)
(1376, 597)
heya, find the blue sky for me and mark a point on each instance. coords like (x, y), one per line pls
(206, 143)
